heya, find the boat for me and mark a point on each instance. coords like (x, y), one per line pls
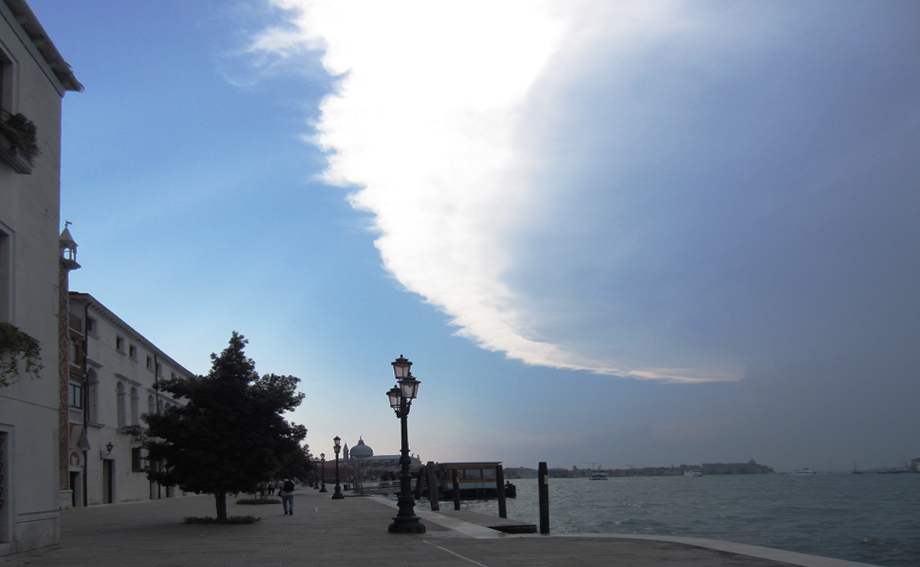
(804, 471)
(599, 475)
(694, 472)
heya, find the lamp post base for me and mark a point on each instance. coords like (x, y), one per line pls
(407, 525)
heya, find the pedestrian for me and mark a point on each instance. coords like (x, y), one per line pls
(287, 496)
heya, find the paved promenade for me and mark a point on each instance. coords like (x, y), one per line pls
(353, 531)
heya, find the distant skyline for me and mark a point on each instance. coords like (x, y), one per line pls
(650, 232)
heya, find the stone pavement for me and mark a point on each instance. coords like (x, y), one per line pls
(353, 531)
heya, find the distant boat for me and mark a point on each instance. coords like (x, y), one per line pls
(694, 472)
(599, 475)
(804, 471)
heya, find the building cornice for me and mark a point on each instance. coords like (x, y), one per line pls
(25, 20)
(102, 311)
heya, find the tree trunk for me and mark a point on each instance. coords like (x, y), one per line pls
(221, 501)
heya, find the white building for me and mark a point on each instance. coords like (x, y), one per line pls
(113, 376)
(33, 79)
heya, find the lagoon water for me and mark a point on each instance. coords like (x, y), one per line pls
(868, 518)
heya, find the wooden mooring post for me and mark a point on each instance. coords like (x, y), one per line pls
(431, 479)
(500, 491)
(543, 490)
(455, 481)
(417, 493)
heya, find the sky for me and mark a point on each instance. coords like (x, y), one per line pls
(606, 234)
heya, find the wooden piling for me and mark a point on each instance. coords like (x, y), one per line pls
(455, 480)
(417, 493)
(543, 490)
(432, 481)
(500, 491)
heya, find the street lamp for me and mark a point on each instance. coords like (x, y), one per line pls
(322, 475)
(401, 396)
(337, 495)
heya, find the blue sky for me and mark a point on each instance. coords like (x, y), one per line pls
(619, 233)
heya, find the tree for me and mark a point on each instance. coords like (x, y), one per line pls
(230, 434)
(16, 346)
(296, 465)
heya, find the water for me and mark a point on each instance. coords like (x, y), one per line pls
(869, 518)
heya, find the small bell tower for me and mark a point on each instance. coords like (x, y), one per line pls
(68, 249)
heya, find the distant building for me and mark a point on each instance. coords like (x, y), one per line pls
(113, 377)
(520, 472)
(33, 275)
(360, 464)
(361, 450)
(750, 467)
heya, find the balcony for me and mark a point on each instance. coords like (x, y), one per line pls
(76, 415)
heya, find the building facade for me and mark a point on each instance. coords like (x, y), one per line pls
(113, 376)
(33, 80)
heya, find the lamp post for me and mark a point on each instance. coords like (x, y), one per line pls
(337, 495)
(322, 475)
(401, 396)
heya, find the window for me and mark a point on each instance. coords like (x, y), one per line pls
(6, 274)
(137, 460)
(90, 325)
(6, 82)
(149, 363)
(132, 351)
(120, 393)
(120, 345)
(92, 390)
(151, 404)
(4, 507)
(16, 159)
(75, 394)
(135, 417)
(74, 352)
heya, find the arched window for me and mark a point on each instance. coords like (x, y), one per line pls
(151, 404)
(135, 414)
(120, 391)
(92, 396)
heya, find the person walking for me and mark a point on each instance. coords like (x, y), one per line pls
(287, 496)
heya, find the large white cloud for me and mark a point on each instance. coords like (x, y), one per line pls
(655, 189)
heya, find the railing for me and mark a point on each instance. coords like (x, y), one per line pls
(76, 415)
(383, 487)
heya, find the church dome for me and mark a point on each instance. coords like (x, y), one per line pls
(361, 450)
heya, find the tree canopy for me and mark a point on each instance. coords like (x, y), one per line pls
(230, 434)
(15, 345)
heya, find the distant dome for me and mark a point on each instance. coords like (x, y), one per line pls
(361, 450)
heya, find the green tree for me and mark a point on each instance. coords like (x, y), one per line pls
(16, 346)
(230, 434)
(297, 465)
